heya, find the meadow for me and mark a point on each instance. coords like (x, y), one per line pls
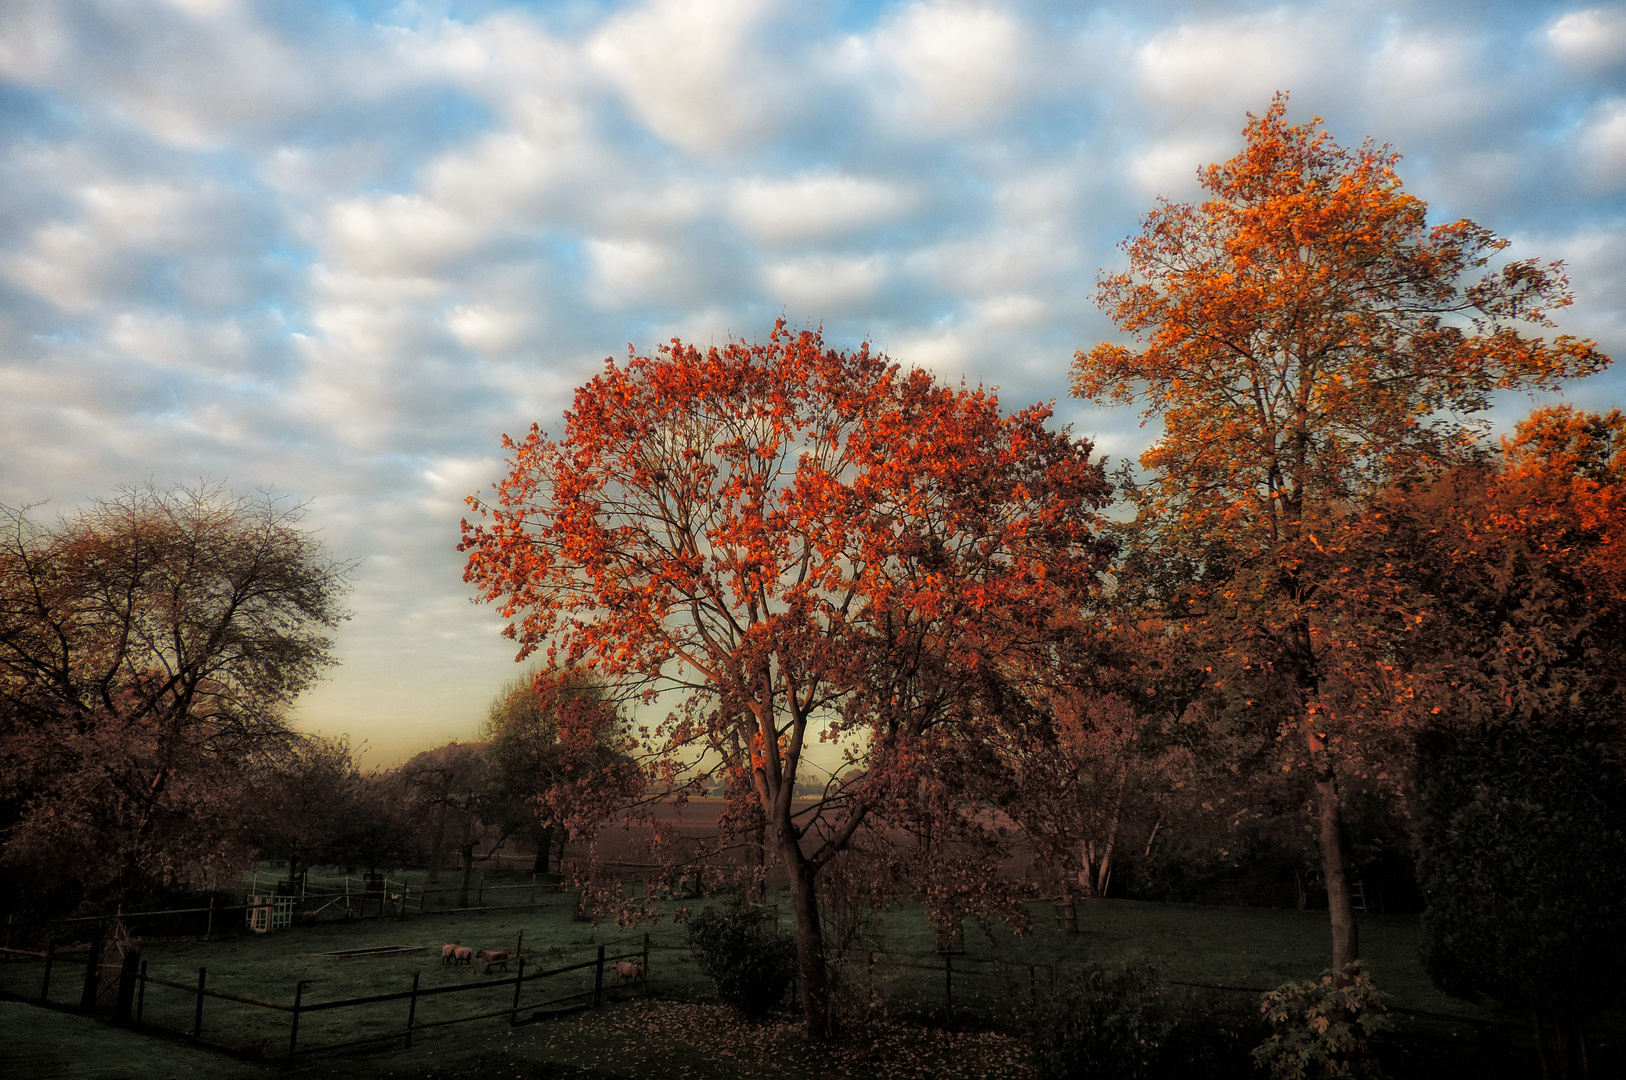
(918, 1012)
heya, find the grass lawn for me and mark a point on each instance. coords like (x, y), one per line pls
(679, 1030)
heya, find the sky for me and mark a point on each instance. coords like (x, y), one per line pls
(337, 249)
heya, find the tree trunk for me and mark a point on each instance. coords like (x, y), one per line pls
(1561, 1043)
(437, 846)
(1346, 946)
(756, 864)
(544, 849)
(810, 971)
(1103, 872)
(467, 851)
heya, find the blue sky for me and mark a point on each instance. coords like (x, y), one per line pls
(339, 249)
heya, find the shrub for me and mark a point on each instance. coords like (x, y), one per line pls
(1524, 868)
(1104, 1022)
(745, 955)
(1320, 1028)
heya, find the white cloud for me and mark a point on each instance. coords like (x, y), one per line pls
(688, 70)
(489, 328)
(32, 40)
(958, 66)
(822, 285)
(1012, 310)
(1589, 39)
(1425, 81)
(1169, 166)
(168, 340)
(628, 271)
(204, 9)
(814, 206)
(398, 235)
(1224, 67)
(1603, 147)
(63, 263)
(943, 352)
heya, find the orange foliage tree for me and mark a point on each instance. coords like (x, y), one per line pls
(784, 543)
(1307, 338)
(1499, 588)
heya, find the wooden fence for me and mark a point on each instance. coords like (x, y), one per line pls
(526, 997)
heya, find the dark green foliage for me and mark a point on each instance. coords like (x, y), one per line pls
(1321, 1028)
(1105, 1023)
(742, 950)
(1524, 866)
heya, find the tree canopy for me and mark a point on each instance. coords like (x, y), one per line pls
(797, 544)
(1307, 339)
(149, 647)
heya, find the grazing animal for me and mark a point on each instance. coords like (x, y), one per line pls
(492, 958)
(254, 1048)
(462, 955)
(448, 952)
(629, 970)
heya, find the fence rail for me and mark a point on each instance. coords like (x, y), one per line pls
(136, 1004)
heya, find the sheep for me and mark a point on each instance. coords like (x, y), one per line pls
(448, 951)
(493, 958)
(463, 955)
(629, 970)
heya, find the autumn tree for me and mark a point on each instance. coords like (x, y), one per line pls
(783, 544)
(1306, 338)
(530, 768)
(149, 648)
(1501, 588)
(451, 787)
(306, 804)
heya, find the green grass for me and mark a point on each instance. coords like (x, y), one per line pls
(1236, 947)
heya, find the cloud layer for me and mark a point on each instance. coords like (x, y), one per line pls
(339, 250)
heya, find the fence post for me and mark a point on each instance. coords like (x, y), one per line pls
(197, 1015)
(293, 1025)
(948, 982)
(1033, 993)
(513, 1017)
(141, 992)
(412, 1009)
(127, 984)
(93, 968)
(209, 927)
(50, 956)
(643, 972)
(598, 978)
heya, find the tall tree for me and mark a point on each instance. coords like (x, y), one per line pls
(1306, 338)
(530, 768)
(149, 647)
(307, 804)
(454, 788)
(795, 544)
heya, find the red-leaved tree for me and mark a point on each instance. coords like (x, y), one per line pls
(781, 543)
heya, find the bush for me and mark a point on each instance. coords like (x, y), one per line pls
(745, 955)
(1107, 1023)
(1524, 868)
(1320, 1028)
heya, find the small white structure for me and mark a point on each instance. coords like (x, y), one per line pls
(267, 913)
